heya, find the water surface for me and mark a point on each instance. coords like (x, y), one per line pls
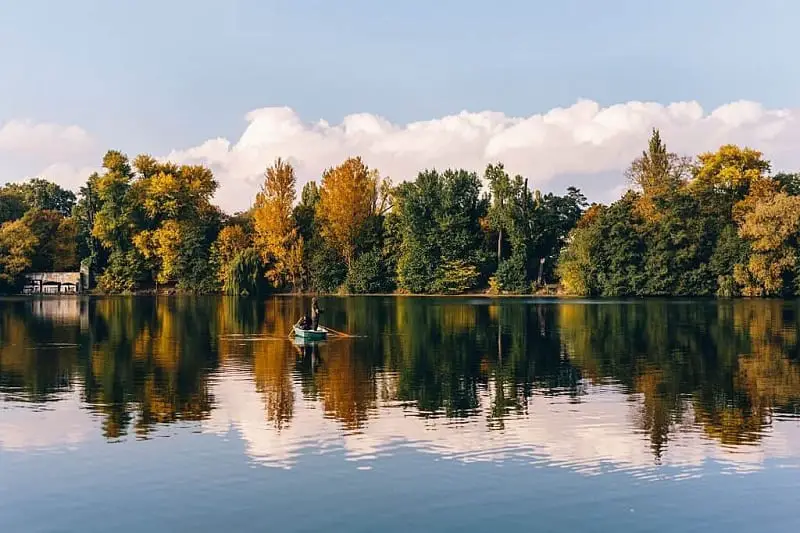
(446, 414)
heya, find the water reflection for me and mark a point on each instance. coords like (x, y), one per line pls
(586, 385)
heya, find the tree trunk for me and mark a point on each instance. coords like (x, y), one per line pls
(541, 268)
(499, 246)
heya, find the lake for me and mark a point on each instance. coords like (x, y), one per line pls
(439, 414)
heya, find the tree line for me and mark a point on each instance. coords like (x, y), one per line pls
(717, 224)
(720, 224)
(140, 365)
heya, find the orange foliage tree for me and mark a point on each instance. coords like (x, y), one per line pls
(276, 236)
(349, 196)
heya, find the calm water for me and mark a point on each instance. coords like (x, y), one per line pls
(457, 414)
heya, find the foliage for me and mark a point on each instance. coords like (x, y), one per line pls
(57, 240)
(230, 242)
(37, 193)
(721, 232)
(456, 276)
(576, 265)
(531, 228)
(276, 234)
(511, 275)
(348, 197)
(18, 244)
(367, 275)
(327, 269)
(718, 224)
(124, 273)
(244, 274)
(12, 205)
(437, 220)
(771, 225)
(657, 174)
(162, 247)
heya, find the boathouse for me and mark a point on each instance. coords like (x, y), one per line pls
(53, 283)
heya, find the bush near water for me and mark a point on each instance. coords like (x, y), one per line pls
(720, 223)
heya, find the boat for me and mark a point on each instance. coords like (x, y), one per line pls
(311, 334)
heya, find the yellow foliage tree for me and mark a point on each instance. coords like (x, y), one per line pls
(731, 170)
(163, 247)
(276, 236)
(349, 196)
(770, 221)
(657, 174)
(17, 246)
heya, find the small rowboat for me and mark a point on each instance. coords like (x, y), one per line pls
(311, 334)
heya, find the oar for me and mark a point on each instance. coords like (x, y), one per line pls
(339, 332)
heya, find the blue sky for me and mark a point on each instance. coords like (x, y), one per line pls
(157, 76)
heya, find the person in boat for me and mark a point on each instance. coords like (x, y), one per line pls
(304, 322)
(315, 312)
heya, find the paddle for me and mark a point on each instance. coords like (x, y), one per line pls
(339, 332)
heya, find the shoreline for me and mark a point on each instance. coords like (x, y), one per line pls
(475, 295)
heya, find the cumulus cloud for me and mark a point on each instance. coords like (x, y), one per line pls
(43, 140)
(584, 139)
(585, 144)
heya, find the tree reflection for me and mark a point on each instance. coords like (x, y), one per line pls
(725, 368)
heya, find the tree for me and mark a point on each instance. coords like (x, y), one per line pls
(65, 249)
(85, 213)
(162, 247)
(349, 196)
(439, 218)
(39, 193)
(305, 212)
(724, 177)
(113, 223)
(276, 235)
(789, 182)
(17, 247)
(576, 263)
(244, 274)
(657, 174)
(231, 241)
(552, 219)
(771, 225)
(500, 210)
(57, 240)
(456, 276)
(12, 205)
(171, 192)
(513, 214)
(367, 275)
(619, 250)
(175, 223)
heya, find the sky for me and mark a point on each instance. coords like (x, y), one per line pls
(563, 92)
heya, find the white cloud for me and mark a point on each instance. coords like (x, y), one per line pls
(46, 140)
(67, 175)
(585, 143)
(583, 139)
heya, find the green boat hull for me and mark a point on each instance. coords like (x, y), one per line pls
(310, 334)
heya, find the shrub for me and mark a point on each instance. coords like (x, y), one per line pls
(368, 275)
(512, 275)
(456, 277)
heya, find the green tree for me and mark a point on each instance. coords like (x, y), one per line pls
(619, 250)
(245, 274)
(12, 205)
(439, 219)
(38, 193)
